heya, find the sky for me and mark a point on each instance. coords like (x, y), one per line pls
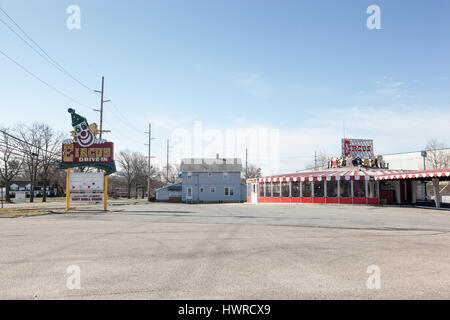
(283, 79)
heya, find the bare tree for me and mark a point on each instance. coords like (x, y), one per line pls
(51, 144)
(320, 161)
(10, 161)
(31, 146)
(252, 172)
(140, 166)
(437, 158)
(127, 171)
(174, 173)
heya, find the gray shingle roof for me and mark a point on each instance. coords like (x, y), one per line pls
(211, 165)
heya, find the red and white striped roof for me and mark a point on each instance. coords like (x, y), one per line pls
(440, 173)
(355, 175)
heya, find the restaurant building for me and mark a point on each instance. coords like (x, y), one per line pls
(350, 185)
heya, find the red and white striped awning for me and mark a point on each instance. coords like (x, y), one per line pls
(387, 175)
(355, 175)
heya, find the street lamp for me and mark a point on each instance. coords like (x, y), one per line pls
(424, 156)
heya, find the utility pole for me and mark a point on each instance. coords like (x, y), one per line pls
(149, 159)
(315, 160)
(246, 163)
(101, 107)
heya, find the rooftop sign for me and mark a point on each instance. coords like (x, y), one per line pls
(357, 148)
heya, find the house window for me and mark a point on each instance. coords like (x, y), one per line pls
(189, 176)
(212, 190)
(226, 191)
(231, 191)
(225, 176)
(209, 174)
(201, 189)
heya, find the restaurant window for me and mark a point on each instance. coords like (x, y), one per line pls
(276, 189)
(359, 189)
(295, 189)
(306, 189)
(319, 189)
(268, 192)
(261, 189)
(372, 189)
(345, 186)
(332, 187)
(285, 190)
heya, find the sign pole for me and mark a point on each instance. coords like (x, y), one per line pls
(105, 193)
(68, 189)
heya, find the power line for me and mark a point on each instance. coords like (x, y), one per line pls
(27, 143)
(47, 57)
(126, 121)
(44, 82)
(55, 64)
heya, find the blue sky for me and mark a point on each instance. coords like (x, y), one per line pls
(296, 69)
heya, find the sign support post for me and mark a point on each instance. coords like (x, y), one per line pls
(68, 189)
(105, 193)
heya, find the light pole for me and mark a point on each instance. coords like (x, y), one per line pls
(424, 156)
(33, 174)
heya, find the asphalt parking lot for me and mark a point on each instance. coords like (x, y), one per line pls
(228, 251)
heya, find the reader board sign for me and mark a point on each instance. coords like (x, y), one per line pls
(86, 197)
(86, 187)
(357, 148)
(20, 196)
(91, 181)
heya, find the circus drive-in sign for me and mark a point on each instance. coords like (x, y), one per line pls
(85, 149)
(357, 148)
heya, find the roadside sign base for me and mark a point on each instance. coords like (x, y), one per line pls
(68, 192)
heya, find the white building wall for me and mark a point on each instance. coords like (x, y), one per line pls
(407, 161)
(404, 161)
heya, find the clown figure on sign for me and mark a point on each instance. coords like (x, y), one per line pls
(84, 134)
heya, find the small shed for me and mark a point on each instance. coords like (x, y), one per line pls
(171, 193)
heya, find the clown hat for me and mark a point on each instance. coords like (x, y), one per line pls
(76, 118)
